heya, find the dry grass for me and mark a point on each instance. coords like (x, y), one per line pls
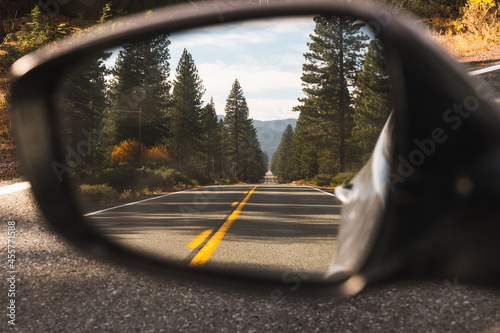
(466, 44)
(476, 31)
(9, 162)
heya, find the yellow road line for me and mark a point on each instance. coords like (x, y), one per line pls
(201, 258)
(234, 203)
(201, 237)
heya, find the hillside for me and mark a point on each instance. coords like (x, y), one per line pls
(269, 133)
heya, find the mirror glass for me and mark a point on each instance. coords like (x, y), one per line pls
(220, 147)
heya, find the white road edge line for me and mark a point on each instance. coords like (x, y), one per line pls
(317, 189)
(14, 188)
(484, 70)
(148, 199)
(140, 201)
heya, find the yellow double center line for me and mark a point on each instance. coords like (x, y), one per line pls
(201, 258)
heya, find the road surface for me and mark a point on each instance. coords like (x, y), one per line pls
(270, 179)
(275, 228)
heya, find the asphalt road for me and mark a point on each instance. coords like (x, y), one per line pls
(270, 179)
(59, 289)
(273, 228)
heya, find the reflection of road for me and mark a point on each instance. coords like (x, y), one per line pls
(270, 179)
(269, 227)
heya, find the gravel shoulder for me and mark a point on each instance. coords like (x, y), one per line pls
(63, 290)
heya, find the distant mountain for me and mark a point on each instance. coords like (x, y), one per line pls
(269, 133)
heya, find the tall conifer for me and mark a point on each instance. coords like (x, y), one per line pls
(333, 62)
(185, 113)
(371, 102)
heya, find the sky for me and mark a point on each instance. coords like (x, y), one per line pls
(266, 56)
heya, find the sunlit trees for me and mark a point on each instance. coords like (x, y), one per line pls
(128, 151)
(333, 62)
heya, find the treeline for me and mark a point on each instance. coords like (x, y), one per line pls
(81, 12)
(89, 9)
(129, 111)
(346, 105)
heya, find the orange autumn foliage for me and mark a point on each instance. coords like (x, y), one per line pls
(158, 154)
(128, 152)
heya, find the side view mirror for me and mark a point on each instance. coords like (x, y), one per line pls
(179, 141)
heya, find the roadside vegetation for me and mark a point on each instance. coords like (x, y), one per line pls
(475, 29)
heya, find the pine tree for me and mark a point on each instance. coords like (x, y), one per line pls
(283, 155)
(253, 164)
(236, 124)
(273, 163)
(371, 102)
(140, 90)
(266, 161)
(211, 141)
(83, 103)
(243, 152)
(333, 62)
(185, 113)
(303, 160)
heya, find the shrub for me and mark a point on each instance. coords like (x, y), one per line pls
(479, 17)
(97, 193)
(321, 180)
(158, 155)
(341, 178)
(160, 179)
(127, 152)
(476, 30)
(233, 179)
(5, 132)
(120, 177)
(37, 33)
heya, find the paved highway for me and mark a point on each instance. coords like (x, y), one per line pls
(270, 179)
(278, 228)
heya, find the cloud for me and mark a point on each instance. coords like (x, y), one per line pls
(238, 36)
(272, 109)
(253, 79)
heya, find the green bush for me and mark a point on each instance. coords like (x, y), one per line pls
(321, 183)
(38, 32)
(341, 178)
(97, 193)
(127, 178)
(119, 177)
(162, 179)
(322, 180)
